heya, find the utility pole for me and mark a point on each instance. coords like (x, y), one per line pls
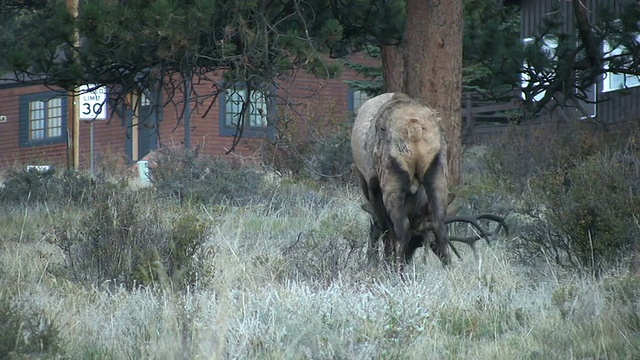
(187, 111)
(73, 122)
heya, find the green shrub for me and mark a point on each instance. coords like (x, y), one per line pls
(623, 296)
(192, 177)
(589, 216)
(128, 238)
(26, 333)
(22, 186)
(178, 257)
(325, 252)
(564, 298)
(483, 320)
(332, 159)
(575, 193)
(310, 144)
(525, 153)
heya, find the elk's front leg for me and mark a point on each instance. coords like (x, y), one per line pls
(380, 218)
(394, 202)
(374, 241)
(394, 196)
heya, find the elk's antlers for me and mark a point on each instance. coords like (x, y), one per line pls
(474, 220)
(481, 233)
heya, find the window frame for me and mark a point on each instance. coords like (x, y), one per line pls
(229, 129)
(549, 44)
(352, 100)
(608, 76)
(25, 119)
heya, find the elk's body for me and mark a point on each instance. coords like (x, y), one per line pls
(401, 160)
(363, 121)
(400, 156)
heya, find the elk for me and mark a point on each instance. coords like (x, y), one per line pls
(400, 157)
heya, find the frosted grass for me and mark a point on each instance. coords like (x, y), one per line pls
(277, 285)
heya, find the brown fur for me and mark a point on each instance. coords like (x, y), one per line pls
(405, 155)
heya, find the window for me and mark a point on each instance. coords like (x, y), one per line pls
(43, 119)
(615, 81)
(241, 107)
(144, 99)
(357, 98)
(548, 47)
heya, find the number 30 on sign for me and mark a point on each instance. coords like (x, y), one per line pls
(93, 102)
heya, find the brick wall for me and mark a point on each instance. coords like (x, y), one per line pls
(11, 153)
(310, 102)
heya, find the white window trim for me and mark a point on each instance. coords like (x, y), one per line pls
(627, 81)
(549, 44)
(359, 97)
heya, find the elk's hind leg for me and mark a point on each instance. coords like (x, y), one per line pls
(435, 183)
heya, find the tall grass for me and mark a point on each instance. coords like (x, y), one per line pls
(287, 279)
(277, 270)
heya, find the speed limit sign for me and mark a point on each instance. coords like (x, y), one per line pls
(93, 102)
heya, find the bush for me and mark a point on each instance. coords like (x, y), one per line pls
(524, 153)
(192, 177)
(623, 296)
(310, 144)
(575, 193)
(26, 333)
(45, 186)
(123, 239)
(333, 159)
(176, 259)
(584, 216)
(322, 254)
(483, 320)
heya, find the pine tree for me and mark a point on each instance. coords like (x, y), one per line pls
(491, 35)
(136, 44)
(152, 45)
(562, 67)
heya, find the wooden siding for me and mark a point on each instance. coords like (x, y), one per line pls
(535, 11)
(619, 106)
(302, 99)
(109, 142)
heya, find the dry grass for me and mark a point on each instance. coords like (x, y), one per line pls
(288, 280)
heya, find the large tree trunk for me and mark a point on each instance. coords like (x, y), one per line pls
(393, 68)
(433, 67)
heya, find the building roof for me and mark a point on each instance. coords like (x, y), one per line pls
(13, 79)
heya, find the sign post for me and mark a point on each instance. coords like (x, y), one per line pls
(93, 106)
